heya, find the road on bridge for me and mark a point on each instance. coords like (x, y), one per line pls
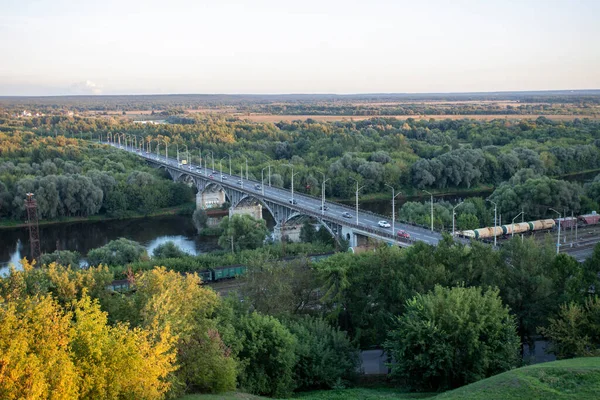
(335, 211)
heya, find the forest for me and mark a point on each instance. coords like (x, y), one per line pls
(530, 164)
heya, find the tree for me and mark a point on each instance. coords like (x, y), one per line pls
(267, 355)
(575, 331)
(199, 218)
(245, 231)
(117, 252)
(307, 232)
(62, 257)
(325, 354)
(168, 250)
(467, 221)
(451, 337)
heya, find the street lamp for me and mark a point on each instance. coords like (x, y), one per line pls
(431, 208)
(512, 234)
(221, 168)
(293, 174)
(393, 207)
(495, 218)
(558, 237)
(212, 156)
(246, 167)
(357, 190)
(229, 163)
(453, 214)
(262, 178)
(323, 192)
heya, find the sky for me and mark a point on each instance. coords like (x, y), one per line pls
(61, 47)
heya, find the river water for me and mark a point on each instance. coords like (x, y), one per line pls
(84, 236)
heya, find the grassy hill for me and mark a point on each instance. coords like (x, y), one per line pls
(577, 379)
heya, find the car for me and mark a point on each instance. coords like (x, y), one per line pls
(214, 172)
(257, 187)
(346, 214)
(239, 181)
(293, 201)
(223, 177)
(211, 176)
(384, 224)
(324, 208)
(403, 234)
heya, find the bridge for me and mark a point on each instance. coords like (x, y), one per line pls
(339, 219)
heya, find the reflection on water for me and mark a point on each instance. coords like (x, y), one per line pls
(84, 236)
(186, 245)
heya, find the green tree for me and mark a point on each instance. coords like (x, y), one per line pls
(267, 355)
(452, 337)
(245, 231)
(117, 252)
(307, 232)
(199, 218)
(62, 257)
(575, 331)
(467, 221)
(168, 250)
(325, 355)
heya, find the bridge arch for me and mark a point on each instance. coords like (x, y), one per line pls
(320, 221)
(248, 198)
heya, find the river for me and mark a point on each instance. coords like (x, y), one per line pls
(84, 236)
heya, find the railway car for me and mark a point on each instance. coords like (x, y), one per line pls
(567, 222)
(520, 227)
(230, 271)
(541, 224)
(468, 234)
(590, 219)
(484, 233)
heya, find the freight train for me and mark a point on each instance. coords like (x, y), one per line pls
(531, 226)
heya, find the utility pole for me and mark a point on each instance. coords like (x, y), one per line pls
(357, 190)
(262, 180)
(495, 218)
(512, 233)
(431, 208)
(246, 167)
(453, 214)
(558, 237)
(242, 175)
(32, 224)
(393, 208)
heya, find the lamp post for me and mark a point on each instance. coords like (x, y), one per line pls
(229, 163)
(431, 208)
(495, 218)
(177, 146)
(242, 175)
(221, 168)
(393, 207)
(453, 215)
(558, 237)
(166, 151)
(323, 193)
(246, 167)
(212, 156)
(512, 234)
(292, 166)
(262, 179)
(357, 190)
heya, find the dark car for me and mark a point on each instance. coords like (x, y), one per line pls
(293, 201)
(324, 208)
(257, 187)
(346, 214)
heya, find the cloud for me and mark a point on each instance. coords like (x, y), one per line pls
(87, 87)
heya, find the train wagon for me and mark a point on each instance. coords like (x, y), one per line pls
(206, 275)
(567, 222)
(230, 271)
(541, 224)
(484, 233)
(469, 234)
(520, 227)
(590, 219)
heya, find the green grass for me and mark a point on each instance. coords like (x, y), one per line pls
(577, 379)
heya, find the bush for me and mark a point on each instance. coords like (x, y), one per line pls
(452, 337)
(266, 352)
(117, 252)
(325, 355)
(168, 250)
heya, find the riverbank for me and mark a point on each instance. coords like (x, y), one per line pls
(178, 210)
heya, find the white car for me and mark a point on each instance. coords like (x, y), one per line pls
(384, 224)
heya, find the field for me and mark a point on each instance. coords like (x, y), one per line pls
(576, 379)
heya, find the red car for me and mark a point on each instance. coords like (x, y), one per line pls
(403, 234)
(211, 177)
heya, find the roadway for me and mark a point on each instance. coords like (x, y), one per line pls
(335, 212)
